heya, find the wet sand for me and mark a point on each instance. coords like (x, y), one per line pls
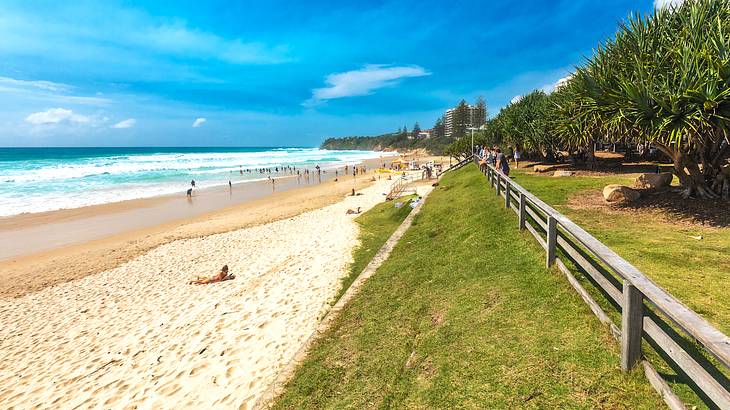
(59, 246)
(31, 233)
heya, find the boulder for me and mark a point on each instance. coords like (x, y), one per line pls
(654, 181)
(563, 173)
(548, 168)
(620, 193)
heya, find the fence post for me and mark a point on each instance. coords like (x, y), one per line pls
(523, 212)
(498, 187)
(552, 239)
(490, 176)
(506, 193)
(632, 324)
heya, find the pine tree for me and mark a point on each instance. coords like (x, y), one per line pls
(416, 130)
(480, 113)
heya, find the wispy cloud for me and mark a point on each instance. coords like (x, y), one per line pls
(199, 121)
(129, 123)
(56, 116)
(37, 84)
(660, 4)
(47, 91)
(363, 81)
(133, 34)
(179, 39)
(515, 99)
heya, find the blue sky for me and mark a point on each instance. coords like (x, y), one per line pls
(275, 73)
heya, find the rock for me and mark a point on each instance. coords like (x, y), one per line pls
(563, 173)
(620, 193)
(546, 168)
(654, 181)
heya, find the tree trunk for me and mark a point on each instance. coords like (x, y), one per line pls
(688, 171)
(591, 156)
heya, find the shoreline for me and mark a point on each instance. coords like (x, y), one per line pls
(88, 251)
(29, 233)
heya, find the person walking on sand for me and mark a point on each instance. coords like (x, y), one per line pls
(230, 185)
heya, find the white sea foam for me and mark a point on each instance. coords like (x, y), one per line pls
(42, 185)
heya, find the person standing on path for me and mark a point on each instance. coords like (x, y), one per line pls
(502, 164)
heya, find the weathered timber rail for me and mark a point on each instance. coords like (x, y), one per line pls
(648, 312)
(461, 163)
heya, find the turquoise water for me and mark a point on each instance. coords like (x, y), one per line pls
(44, 179)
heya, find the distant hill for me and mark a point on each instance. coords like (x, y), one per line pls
(387, 142)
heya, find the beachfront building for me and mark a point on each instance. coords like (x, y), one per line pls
(424, 134)
(449, 121)
(463, 116)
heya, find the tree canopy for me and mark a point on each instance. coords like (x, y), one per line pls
(664, 79)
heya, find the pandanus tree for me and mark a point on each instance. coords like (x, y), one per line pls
(665, 79)
(526, 124)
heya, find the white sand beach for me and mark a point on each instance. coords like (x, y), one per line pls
(140, 336)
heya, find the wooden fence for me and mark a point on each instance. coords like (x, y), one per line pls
(461, 163)
(688, 343)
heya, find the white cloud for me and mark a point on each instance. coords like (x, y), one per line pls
(515, 99)
(39, 84)
(660, 4)
(56, 116)
(129, 123)
(199, 121)
(363, 81)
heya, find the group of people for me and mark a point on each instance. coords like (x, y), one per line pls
(292, 170)
(495, 157)
(284, 168)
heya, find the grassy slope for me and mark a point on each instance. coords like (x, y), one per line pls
(463, 314)
(376, 226)
(694, 271)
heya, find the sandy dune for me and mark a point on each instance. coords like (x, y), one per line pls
(139, 335)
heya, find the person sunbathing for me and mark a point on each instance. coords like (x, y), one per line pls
(220, 277)
(355, 212)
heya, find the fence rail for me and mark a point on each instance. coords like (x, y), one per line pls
(461, 163)
(642, 303)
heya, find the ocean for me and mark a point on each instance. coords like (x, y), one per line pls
(46, 179)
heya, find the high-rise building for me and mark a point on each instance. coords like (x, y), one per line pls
(449, 122)
(463, 116)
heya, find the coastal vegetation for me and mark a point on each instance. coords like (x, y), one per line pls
(462, 314)
(436, 141)
(402, 139)
(663, 81)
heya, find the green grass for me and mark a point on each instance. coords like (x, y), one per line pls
(694, 271)
(376, 226)
(463, 314)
